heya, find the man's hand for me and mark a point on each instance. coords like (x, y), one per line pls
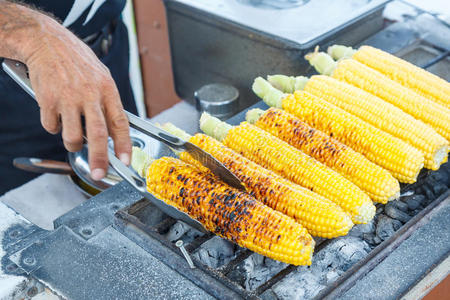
(69, 82)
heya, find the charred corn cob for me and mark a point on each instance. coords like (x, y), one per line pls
(289, 162)
(419, 80)
(228, 212)
(374, 111)
(372, 81)
(402, 160)
(318, 215)
(369, 177)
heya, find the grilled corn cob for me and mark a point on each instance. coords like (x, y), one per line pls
(228, 212)
(400, 159)
(374, 111)
(369, 177)
(318, 215)
(419, 80)
(291, 163)
(372, 81)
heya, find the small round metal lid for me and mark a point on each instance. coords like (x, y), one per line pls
(218, 99)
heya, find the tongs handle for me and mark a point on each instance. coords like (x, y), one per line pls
(155, 132)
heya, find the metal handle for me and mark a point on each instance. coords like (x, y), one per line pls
(155, 132)
(38, 165)
(126, 173)
(19, 73)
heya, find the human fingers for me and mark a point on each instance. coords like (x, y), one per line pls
(72, 131)
(97, 135)
(118, 126)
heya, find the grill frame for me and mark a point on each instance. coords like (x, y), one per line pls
(116, 208)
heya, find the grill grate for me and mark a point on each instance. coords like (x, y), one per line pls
(231, 271)
(226, 273)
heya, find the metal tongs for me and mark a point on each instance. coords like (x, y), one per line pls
(19, 74)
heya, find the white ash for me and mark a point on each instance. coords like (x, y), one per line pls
(327, 265)
(301, 284)
(176, 231)
(216, 252)
(10, 285)
(259, 269)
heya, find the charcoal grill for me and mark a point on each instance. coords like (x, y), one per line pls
(119, 246)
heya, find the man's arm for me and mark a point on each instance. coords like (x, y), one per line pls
(69, 82)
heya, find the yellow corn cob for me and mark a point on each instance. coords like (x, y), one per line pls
(382, 115)
(318, 215)
(369, 177)
(400, 159)
(419, 80)
(280, 157)
(228, 212)
(372, 81)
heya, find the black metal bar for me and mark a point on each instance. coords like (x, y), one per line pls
(232, 264)
(135, 207)
(277, 278)
(378, 254)
(436, 59)
(165, 225)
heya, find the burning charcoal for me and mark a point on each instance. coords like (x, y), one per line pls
(215, 252)
(339, 255)
(274, 264)
(258, 277)
(176, 231)
(414, 201)
(298, 285)
(394, 213)
(416, 211)
(191, 235)
(369, 238)
(440, 176)
(385, 227)
(419, 191)
(379, 210)
(360, 229)
(377, 240)
(238, 274)
(352, 253)
(439, 189)
(324, 261)
(203, 256)
(398, 205)
(328, 264)
(257, 259)
(396, 224)
(428, 193)
(331, 277)
(268, 295)
(260, 269)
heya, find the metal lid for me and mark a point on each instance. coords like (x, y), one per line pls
(218, 99)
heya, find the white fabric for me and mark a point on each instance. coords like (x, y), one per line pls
(78, 8)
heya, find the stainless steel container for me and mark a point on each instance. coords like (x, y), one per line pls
(234, 41)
